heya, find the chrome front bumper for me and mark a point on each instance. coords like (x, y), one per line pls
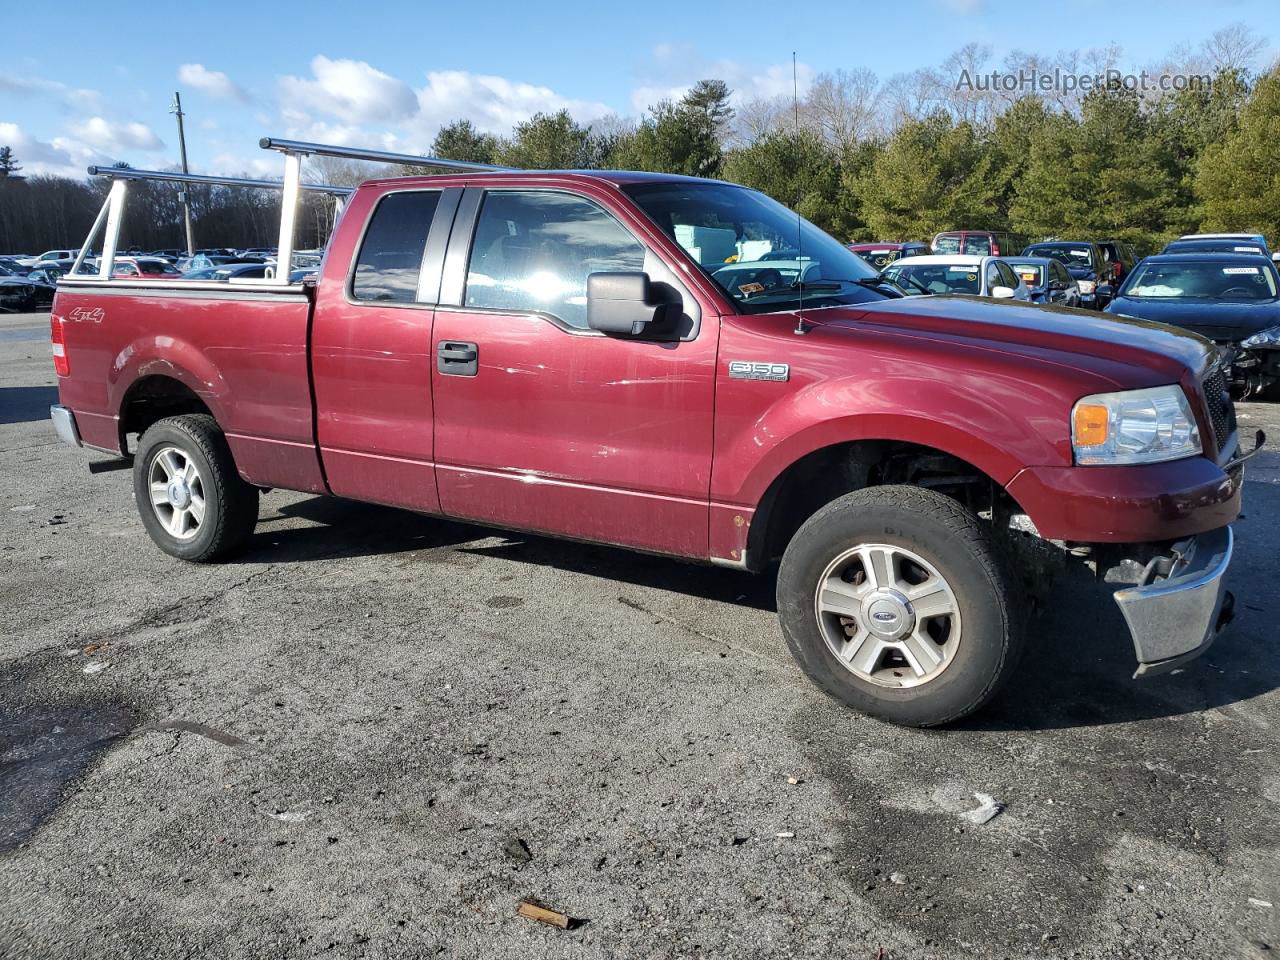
(64, 424)
(1180, 603)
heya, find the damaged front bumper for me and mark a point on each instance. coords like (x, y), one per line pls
(1180, 602)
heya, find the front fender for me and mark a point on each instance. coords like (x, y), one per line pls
(999, 425)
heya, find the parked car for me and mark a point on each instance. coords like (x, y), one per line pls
(203, 261)
(17, 264)
(58, 255)
(228, 271)
(1232, 299)
(1086, 262)
(1257, 238)
(152, 268)
(23, 294)
(981, 243)
(1047, 280)
(63, 267)
(1122, 258)
(578, 372)
(977, 276)
(880, 255)
(1203, 245)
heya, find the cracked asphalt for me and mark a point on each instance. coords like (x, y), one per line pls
(333, 745)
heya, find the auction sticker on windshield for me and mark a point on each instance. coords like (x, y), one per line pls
(1235, 270)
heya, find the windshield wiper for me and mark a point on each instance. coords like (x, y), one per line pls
(876, 283)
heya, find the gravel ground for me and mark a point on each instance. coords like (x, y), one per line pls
(374, 733)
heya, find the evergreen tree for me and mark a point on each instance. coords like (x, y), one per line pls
(1238, 178)
(711, 99)
(550, 141)
(8, 164)
(799, 170)
(460, 140)
(674, 138)
(933, 174)
(1106, 175)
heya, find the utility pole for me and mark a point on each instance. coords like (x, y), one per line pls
(176, 109)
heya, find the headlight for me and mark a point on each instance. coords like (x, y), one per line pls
(1263, 338)
(1087, 286)
(1136, 426)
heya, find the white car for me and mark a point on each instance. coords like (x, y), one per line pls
(958, 273)
(1257, 238)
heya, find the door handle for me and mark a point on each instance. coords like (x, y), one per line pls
(456, 358)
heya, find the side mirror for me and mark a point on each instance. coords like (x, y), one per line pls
(1002, 293)
(622, 303)
(1275, 257)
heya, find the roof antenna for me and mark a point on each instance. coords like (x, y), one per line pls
(800, 330)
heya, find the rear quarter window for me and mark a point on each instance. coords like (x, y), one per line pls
(390, 256)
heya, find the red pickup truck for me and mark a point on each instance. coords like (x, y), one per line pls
(680, 366)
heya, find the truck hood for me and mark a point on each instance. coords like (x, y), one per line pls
(1222, 321)
(1129, 352)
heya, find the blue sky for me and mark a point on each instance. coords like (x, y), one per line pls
(97, 87)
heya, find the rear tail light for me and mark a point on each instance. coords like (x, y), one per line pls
(61, 363)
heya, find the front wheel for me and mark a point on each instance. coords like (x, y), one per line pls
(192, 500)
(895, 600)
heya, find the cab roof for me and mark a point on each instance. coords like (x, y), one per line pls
(617, 178)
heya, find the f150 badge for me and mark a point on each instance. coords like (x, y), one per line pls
(750, 370)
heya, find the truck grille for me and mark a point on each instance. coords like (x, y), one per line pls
(1222, 412)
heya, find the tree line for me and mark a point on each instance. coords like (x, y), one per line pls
(865, 160)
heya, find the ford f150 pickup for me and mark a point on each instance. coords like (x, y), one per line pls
(683, 367)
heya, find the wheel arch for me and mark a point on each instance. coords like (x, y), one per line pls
(811, 481)
(153, 397)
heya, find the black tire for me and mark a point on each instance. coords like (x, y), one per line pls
(230, 504)
(962, 551)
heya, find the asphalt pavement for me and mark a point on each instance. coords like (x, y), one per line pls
(372, 734)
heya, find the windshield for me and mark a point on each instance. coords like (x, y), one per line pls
(1188, 280)
(755, 249)
(1068, 254)
(936, 277)
(1032, 274)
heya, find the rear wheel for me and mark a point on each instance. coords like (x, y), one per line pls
(896, 601)
(192, 500)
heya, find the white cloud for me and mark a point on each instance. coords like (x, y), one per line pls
(60, 157)
(351, 90)
(76, 98)
(494, 104)
(349, 102)
(115, 138)
(674, 68)
(213, 82)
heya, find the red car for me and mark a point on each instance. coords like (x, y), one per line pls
(880, 255)
(540, 351)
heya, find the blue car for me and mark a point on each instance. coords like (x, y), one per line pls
(1232, 299)
(1086, 263)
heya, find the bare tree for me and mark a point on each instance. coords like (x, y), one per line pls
(756, 119)
(843, 106)
(1234, 48)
